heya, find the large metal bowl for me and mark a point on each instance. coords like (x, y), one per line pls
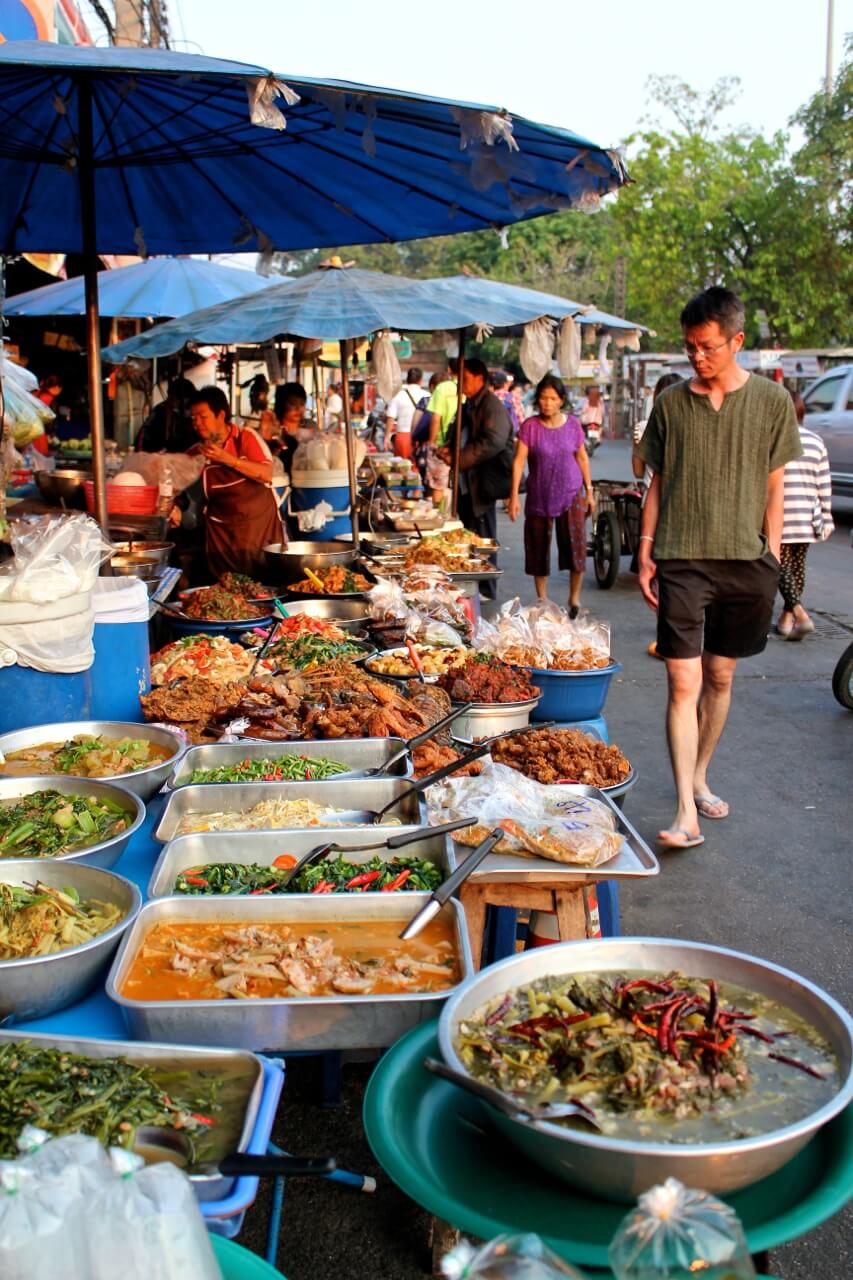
(287, 564)
(144, 783)
(349, 615)
(63, 487)
(157, 551)
(106, 853)
(40, 985)
(621, 1170)
(483, 719)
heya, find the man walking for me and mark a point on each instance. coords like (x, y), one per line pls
(485, 459)
(717, 445)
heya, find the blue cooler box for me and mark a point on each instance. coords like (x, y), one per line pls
(122, 666)
(308, 490)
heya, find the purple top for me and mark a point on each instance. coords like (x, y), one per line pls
(555, 477)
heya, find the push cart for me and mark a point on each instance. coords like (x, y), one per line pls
(616, 530)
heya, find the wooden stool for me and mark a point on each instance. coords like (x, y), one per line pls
(565, 898)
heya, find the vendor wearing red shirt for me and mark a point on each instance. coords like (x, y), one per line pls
(241, 513)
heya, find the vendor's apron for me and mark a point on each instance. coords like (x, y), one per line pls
(242, 518)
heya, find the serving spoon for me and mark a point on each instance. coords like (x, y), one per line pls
(393, 842)
(525, 1112)
(165, 1143)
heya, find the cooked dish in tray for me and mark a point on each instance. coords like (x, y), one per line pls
(338, 580)
(310, 652)
(213, 658)
(660, 1058)
(287, 768)
(86, 757)
(214, 961)
(483, 678)
(36, 920)
(48, 824)
(434, 660)
(267, 815)
(215, 604)
(331, 875)
(563, 755)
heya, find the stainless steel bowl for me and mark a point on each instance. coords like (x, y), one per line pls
(134, 566)
(378, 544)
(621, 1170)
(482, 719)
(400, 651)
(107, 852)
(349, 615)
(63, 486)
(159, 551)
(287, 564)
(40, 985)
(144, 783)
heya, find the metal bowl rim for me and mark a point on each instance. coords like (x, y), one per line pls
(81, 948)
(670, 1150)
(80, 726)
(495, 708)
(81, 784)
(610, 669)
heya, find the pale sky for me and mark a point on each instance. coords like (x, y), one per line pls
(575, 63)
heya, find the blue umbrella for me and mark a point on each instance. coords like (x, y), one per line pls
(157, 287)
(495, 294)
(143, 151)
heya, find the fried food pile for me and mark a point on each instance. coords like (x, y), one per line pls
(338, 580)
(563, 755)
(486, 679)
(431, 756)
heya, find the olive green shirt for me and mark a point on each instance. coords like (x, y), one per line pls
(713, 467)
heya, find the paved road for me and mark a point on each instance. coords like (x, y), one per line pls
(774, 879)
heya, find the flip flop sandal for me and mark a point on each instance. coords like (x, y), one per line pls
(705, 803)
(689, 842)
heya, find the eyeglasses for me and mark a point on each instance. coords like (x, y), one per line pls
(695, 353)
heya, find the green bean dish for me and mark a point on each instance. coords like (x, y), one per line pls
(48, 824)
(287, 768)
(655, 1058)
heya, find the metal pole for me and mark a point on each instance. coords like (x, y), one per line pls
(86, 166)
(353, 488)
(457, 440)
(830, 22)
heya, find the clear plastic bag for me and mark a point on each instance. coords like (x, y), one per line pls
(507, 1257)
(386, 366)
(182, 469)
(676, 1233)
(544, 821)
(536, 352)
(39, 1224)
(54, 557)
(543, 635)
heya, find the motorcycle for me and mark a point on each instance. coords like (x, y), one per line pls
(842, 676)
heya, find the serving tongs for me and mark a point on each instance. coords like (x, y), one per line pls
(166, 1143)
(448, 887)
(379, 771)
(530, 1113)
(393, 842)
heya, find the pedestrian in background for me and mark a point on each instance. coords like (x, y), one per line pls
(442, 406)
(400, 413)
(501, 385)
(711, 539)
(592, 418)
(807, 519)
(559, 490)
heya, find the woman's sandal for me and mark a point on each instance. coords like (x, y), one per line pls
(689, 841)
(704, 805)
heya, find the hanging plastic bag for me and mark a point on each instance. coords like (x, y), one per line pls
(569, 347)
(676, 1233)
(54, 557)
(508, 1257)
(537, 346)
(386, 366)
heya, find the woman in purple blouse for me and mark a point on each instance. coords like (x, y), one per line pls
(559, 490)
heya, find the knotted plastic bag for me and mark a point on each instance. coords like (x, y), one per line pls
(39, 1225)
(537, 348)
(386, 366)
(508, 1257)
(676, 1233)
(54, 557)
(569, 347)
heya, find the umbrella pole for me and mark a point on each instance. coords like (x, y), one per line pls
(353, 489)
(93, 321)
(457, 439)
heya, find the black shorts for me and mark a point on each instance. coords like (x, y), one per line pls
(733, 599)
(571, 540)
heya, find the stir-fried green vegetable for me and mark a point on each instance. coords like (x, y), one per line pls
(647, 1051)
(287, 768)
(47, 824)
(108, 1098)
(332, 875)
(302, 652)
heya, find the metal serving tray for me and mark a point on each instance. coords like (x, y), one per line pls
(216, 797)
(633, 860)
(359, 753)
(284, 1024)
(263, 847)
(207, 1186)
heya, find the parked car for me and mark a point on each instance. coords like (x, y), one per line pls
(829, 413)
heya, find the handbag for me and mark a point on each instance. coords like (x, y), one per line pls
(494, 478)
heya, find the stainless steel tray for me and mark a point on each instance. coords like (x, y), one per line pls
(358, 753)
(480, 575)
(286, 1024)
(263, 847)
(207, 1186)
(216, 797)
(633, 860)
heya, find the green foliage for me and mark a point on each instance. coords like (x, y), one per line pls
(706, 206)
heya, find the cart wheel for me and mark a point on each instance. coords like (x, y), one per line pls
(606, 549)
(842, 679)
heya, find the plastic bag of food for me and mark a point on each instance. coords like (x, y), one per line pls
(54, 557)
(545, 821)
(507, 1257)
(148, 1226)
(386, 600)
(40, 1224)
(76, 1161)
(317, 454)
(675, 1233)
(337, 452)
(386, 366)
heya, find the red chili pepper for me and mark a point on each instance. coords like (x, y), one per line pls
(638, 1022)
(665, 1024)
(324, 886)
(398, 882)
(713, 1005)
(722, 1047)
(196, 880)
(195, 1115)
(266, 889)
(366, 877)
(664, 988)
(308, 775)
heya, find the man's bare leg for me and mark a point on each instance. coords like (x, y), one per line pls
(684, 677)
(717, 676)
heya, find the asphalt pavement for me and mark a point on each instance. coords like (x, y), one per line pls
(772, 879)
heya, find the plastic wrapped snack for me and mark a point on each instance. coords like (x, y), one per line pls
(507, 1257)
(54, 557)
(542, 821)
(543, 636)
(676, 1233)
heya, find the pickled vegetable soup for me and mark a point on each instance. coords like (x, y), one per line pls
(563, 1037)
(85, 758)
(372, 944)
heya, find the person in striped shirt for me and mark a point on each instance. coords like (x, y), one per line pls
(807, 519)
